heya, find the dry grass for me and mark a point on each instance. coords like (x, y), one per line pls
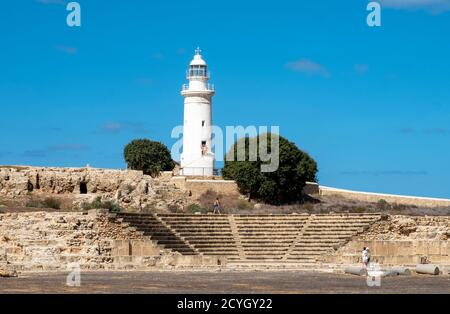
(48, 202)
(207, 199)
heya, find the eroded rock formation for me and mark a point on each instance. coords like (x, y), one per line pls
(410, 228)
(130, 189)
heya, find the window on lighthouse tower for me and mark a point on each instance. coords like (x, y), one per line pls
(197, 71)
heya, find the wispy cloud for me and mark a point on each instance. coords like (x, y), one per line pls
(181, 51)
(66, 49)
(145, 81)
(5, 154)
(118, 127)
(35, 153)
(52, 129)
(68, 147)
(433, 6)
(385, 173)
(308, 67)
(437, 131)
(407, 130)
(157, 56)
(361, 68)
(428, 131)
(44, 152)
(63, 2)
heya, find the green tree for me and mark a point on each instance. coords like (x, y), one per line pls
(285, 185)
(149, 156)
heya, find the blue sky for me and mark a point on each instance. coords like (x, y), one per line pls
(371, 105)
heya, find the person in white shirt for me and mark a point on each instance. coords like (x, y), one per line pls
(366, 256)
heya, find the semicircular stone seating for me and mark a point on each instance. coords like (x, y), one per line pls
(295, 238)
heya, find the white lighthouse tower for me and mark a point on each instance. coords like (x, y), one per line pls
(197, 158)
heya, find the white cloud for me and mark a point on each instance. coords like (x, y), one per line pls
(51, 1)
(66, 49)
(118, 127)
(433, 6)
(308, 67)
(361, 68)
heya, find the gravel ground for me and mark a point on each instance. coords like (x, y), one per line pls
(225, 282)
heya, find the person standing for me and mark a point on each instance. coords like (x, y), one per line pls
(217, 206)
(365, 257)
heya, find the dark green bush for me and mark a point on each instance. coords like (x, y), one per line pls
(285, 185)
(149, 156)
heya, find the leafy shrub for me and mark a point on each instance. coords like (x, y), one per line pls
(48, 202)
(52, 203)
(358, 210)
(173, 208)
(383, 205)
(399, 207)
(285, 185)
(149, 156)
(97, 203)
(243, 205)
(130, 188)
(195, 208)
(308, 207)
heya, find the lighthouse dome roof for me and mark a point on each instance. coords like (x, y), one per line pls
(198, 59)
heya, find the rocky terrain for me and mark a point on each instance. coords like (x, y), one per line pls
(43, 240)
(409, 228)
(49, 241)
(75, 187)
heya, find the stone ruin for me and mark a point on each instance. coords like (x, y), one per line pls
(94, 240)
(131, 190)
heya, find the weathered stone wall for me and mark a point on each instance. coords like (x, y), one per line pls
(400, 240)
(50, 241)
(130, 189)
(43, 241)
(197, 187)
(375, 197)
(395, 252)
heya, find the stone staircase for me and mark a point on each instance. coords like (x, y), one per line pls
(208, 234)
(158, 230)
(268, 237)
(253, 239)
(326, 233)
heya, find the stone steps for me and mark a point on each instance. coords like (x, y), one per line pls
(281, 238)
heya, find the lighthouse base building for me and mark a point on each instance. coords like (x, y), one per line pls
(197, 158)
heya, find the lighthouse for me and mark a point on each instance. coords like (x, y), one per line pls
(197, 158)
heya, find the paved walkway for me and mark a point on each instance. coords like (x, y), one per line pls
(220, 282)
